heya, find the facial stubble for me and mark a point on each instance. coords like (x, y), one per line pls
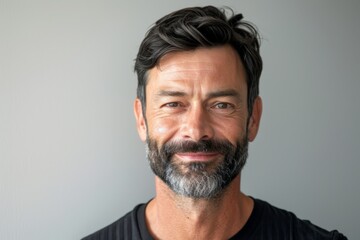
(197, 180)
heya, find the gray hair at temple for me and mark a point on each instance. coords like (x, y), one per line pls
(195, 27)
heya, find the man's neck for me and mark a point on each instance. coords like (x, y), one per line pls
(170, 216)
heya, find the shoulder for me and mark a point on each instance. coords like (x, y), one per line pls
(286, 225)
(127, 227)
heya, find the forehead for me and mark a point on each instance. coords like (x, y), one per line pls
(216, 64)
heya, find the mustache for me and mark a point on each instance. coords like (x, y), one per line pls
(212, 145)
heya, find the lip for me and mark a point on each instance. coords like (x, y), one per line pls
(197, 156)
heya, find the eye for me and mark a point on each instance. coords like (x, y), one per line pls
(172, 105)
(223, 107)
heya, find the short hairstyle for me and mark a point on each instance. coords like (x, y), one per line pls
(191, 28)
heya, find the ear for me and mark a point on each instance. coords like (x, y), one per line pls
(140, 120)
(254, 121)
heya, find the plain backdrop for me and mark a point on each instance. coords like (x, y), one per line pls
(70, 158)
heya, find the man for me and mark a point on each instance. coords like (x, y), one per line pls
(197, 108)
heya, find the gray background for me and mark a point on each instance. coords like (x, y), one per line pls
(70, 158)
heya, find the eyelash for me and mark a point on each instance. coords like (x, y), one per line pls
(220, 107)
(228, 105)
(171, 104)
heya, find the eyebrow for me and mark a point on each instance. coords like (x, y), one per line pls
(224, 93)
(215, 94)
(169, 93)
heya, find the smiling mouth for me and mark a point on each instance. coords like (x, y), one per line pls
(197, 156)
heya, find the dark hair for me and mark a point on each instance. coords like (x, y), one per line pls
(191, 28)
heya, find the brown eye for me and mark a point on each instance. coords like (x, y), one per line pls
(172, 104)
(222, 105)
(223, 108)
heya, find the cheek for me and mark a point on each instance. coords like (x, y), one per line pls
(162, 129)
(230, 129)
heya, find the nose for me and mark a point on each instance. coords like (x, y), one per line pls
(196, 124)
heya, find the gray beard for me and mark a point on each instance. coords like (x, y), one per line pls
(197, 180)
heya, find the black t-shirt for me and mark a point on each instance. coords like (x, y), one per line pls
(266, 222)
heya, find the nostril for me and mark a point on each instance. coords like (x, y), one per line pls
(196, 134)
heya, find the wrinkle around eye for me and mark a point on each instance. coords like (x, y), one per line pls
(223, 108)
(172, 107)
(223, 105)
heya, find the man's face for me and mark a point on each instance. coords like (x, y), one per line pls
(196, 120)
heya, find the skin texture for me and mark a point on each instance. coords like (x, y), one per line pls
(195, 95)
